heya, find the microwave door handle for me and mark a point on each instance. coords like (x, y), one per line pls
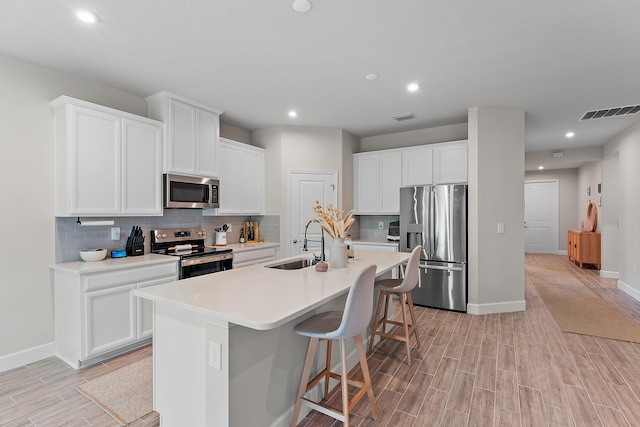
(207, 199)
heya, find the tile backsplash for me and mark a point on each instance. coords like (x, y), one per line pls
(369, 226)
(72, 237)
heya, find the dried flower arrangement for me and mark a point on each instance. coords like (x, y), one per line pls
(332, 220)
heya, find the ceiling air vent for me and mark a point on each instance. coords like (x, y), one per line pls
(403, 117)
(611, 112)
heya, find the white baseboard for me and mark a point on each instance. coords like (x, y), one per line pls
(563, 253)
(499, 307)
(634, 293)
(609, 274)
(24, 357)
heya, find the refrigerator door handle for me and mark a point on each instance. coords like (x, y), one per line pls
(438, 267)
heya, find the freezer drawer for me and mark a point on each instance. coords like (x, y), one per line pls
(442, 285)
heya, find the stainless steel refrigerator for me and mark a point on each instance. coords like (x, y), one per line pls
(435, 217)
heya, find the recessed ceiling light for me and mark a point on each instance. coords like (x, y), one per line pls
(412, 87)
(540, 167)
(371, 76)
(86, 16)
(293, 114)
(302, 6)
(569, 134)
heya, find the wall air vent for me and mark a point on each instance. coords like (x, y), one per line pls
(403, 117)
(611, 112)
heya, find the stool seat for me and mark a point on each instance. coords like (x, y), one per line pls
(339, 325)
(387, 284)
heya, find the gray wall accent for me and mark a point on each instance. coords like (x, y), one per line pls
(415, 137)
(234, 133)
(609, 222)
(496, 194)
(369, 226)
(589, 176)
(567, 199)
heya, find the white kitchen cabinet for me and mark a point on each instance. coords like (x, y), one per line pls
(417, 166)
(242, 179)
(450, 163)
(108, 162)
(377, 180)
(192, 132)
(253, 255)
(97, 316)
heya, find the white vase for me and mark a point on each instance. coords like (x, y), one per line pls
(337, 253)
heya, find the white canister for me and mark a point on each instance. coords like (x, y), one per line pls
(221, 238)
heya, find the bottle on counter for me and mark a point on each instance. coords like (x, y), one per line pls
(349, 244)
(241, 236)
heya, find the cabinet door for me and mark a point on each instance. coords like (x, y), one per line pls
(110, 319)
(207, 129)
(450, 164)
(95, 163)
(252, 182)
(417, 166)
(145, 308)
(229, 175)
(367, 183)
(181, 142)
(141, 168)
(390, 182)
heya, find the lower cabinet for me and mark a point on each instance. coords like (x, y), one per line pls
(97, 316)
(244, 258)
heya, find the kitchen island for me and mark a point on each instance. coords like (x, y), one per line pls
(225, 353)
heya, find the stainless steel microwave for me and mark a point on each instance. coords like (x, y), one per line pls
(190, 192)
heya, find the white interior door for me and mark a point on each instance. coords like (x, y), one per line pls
(541, 217)
(306, 188)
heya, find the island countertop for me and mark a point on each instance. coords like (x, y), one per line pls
(263, 298)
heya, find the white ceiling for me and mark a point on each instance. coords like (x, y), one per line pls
(256, 60)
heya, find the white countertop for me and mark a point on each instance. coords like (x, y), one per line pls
(372, 242)
(264, 298)
(79, 267)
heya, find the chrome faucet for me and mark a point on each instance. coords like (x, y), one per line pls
(304, 245)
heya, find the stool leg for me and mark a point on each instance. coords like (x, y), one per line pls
(413, 318)
(403, 303)
(376, 323)
(306, 370)
(327, 375)
(367, 377)
(345, 384)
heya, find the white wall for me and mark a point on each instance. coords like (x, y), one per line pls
(415, 137)
(589, 176)
(496, 195)
(609, 222)
(567, 199)
(27, 176)
(626, 147)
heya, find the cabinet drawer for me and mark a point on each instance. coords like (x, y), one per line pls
(129, 275)
(253, 256)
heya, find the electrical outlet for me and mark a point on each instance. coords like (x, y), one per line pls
(115, 233)
(228, 227)
(215, 353)
(381, 225)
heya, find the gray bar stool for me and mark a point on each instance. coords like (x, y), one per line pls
(402, 289)
(339, 325)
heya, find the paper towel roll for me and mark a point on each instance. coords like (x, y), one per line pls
(182, 248)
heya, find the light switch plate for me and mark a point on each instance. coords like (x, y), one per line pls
(115, 233)
(381, 225)
(500, 228)
(215, 353)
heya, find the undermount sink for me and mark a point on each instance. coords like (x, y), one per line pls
(295, 264)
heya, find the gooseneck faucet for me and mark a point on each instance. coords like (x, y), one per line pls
(304, 245)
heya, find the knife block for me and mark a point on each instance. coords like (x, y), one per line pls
(135, 245)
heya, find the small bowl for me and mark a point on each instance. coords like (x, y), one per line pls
(93, 254)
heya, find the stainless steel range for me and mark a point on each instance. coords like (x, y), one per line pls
(189, 244)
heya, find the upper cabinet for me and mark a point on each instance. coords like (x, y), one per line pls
(242, 179)
(192, 132)
(450, 163)
(108, 162)
(377, 179)
(378, 175)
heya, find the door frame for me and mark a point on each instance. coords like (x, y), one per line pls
(556, 215)
(291, 172)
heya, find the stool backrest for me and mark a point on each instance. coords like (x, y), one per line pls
(412, 272)
(358, 307)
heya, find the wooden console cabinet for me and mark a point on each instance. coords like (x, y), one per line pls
(584, 247)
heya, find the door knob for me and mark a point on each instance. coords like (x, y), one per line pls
(295, 241)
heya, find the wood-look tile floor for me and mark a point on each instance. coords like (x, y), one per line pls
(43, 394)
(513, 369)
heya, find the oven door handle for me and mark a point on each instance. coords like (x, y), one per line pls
(205, 260)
